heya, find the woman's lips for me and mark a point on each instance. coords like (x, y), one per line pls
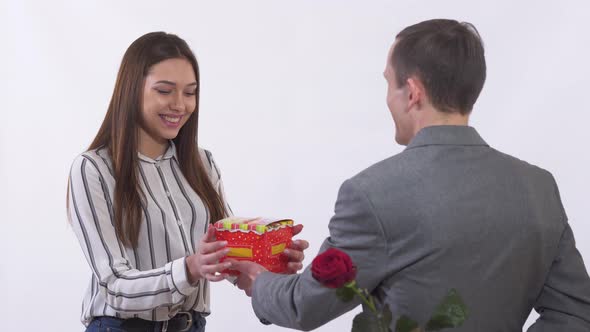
(171, 121)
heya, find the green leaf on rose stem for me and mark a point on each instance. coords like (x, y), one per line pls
(346, 293)
(451, 312)
(366, 321)
(405, 324)
(386, 316)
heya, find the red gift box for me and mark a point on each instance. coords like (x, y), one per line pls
(259, 240)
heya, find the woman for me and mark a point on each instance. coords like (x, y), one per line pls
(142, 198)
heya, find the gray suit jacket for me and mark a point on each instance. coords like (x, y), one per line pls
(447, 212)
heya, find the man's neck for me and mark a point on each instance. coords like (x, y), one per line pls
(435, 118)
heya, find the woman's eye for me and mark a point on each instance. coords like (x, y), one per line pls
(164, 92)
(189, 93)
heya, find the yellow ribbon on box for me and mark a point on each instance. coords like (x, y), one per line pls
(277, 248)
(240, 252)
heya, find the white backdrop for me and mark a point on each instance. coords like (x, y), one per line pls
(293, 103)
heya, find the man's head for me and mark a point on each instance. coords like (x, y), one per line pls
(435, 71)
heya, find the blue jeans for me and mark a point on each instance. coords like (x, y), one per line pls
(111, 324)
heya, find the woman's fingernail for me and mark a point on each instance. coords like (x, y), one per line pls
(227, 265)
(287, 251)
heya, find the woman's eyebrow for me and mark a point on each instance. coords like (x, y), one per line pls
(172, 83)
(166, 82)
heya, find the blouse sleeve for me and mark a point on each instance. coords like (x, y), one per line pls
(125, 288)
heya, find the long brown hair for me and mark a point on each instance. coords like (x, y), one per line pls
(119, 134)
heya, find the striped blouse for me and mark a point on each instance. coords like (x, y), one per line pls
(148, 282)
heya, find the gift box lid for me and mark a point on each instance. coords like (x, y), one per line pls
(258, 225)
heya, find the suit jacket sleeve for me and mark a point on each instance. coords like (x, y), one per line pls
(564, 302)
(299, 301)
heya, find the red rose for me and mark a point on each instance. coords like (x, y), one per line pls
(333, 268)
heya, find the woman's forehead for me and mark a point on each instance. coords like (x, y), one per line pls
(179, 71)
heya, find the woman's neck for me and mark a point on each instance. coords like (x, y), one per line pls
(150, 146)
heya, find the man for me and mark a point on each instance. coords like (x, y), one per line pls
(447, 212)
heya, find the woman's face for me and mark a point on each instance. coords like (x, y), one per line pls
(168, 99)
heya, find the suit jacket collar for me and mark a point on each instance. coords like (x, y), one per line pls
(446, 135)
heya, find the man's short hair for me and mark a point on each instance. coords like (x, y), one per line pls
(447, 57)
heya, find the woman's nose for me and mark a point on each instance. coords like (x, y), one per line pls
(178, 103)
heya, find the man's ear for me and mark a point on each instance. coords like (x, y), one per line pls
(416, 92)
